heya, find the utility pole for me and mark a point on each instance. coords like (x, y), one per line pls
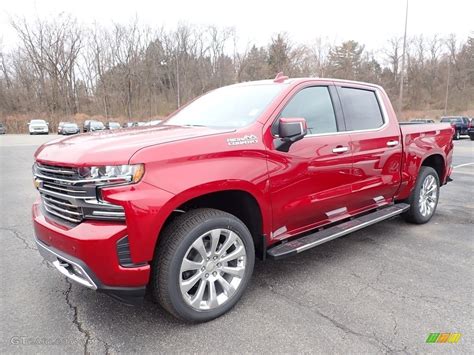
(402, 72)
(447, 89)
(177, 80)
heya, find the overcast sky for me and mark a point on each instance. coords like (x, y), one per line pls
(370, 22)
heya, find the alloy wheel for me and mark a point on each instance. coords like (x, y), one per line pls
(212, 269)
(428, 196)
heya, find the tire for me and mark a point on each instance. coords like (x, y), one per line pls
(471, 136)
(169, 282)
(415, 214)
(457, 135)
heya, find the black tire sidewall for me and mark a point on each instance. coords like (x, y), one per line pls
(415, 214)
(179, 304)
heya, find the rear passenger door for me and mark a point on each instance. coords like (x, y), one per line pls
(376, 147)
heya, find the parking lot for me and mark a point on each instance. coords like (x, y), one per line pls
(382, 289)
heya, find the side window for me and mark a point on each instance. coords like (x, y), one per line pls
(315, 105)
(361, 109)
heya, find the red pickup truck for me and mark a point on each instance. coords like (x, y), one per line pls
(260, 169)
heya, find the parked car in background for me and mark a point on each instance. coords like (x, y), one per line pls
(153, 123)
(459, 123)
(470, 129)
(112, 125)
(92, 126)
(38, 127)
(60, 126)
(85, 125)
(140, 124)
(422, 120)
(130, 124)
(3, 129)
(70, 128)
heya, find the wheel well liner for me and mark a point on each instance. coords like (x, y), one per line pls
(436, 161)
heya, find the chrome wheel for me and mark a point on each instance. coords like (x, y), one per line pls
(428, 196)
(212, 269)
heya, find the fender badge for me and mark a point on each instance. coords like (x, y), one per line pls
(247, 139)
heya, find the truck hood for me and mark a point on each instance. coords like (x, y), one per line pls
(114, 147)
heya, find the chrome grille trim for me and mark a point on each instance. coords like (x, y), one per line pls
(62, 216)
(77, 182)
(58, 194)
(63, 189)
(62, 209)
(47, 198)
(66, 195)
(55, 171)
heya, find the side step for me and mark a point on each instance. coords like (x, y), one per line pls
(309, 241)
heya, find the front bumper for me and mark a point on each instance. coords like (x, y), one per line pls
(77, 271)
(87, 255)
(39, 130)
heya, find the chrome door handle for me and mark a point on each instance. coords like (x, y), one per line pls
(392, 143)
(340, 149)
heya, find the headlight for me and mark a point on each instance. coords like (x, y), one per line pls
(113, 173)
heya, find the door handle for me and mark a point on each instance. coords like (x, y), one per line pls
(340, 149)
(392, 143)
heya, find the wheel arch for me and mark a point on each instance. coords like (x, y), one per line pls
(437, 162)
(237, 201)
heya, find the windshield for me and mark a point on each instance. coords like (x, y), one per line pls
(97, 124)
(37, 121)
(70, 125)
(450, 119)
(231, 106)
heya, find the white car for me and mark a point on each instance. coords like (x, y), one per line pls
(38, 127)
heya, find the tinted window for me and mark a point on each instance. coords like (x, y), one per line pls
(313, 104)
(450, 119)
(361, 109)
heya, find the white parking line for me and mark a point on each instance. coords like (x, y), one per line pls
(461, 165)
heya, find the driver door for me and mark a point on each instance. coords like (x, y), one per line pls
(310, 184)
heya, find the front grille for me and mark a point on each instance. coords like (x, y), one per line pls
(62, 208)
(67, 196)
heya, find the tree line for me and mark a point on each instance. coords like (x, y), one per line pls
(60, 68)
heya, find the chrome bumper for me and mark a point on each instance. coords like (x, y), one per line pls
(72, 270)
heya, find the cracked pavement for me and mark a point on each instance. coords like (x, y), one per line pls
(380, 290)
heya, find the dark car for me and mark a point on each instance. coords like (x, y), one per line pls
(91, 126)
(459, 123)
(470, 129)
(69, 128)
(3, 129)
(422, 120)
(112, 125)
(86, 124)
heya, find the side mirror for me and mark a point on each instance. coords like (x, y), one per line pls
(290, 130)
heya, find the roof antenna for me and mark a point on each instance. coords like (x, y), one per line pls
(280, 78)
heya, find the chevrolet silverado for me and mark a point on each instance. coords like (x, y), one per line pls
(260, 169)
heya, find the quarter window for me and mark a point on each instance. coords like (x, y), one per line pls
(361, 109)
(313, 104)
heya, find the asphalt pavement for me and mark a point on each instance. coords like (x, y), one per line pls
(379, 290)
